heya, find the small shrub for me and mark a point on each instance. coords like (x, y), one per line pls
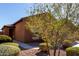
(72, 51)
(5, 38)
(67, 43)
(10, 43)
(8, 50)
(43, 46)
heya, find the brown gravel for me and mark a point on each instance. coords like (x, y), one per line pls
(35, 52)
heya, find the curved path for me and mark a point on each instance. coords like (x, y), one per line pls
(36, 52)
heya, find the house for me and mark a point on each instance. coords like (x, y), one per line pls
(8, 30)
(18, 30)
(1, 33)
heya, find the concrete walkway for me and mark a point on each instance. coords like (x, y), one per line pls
(28, 45)
(36, 52)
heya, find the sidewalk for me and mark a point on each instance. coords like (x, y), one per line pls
(27, 46)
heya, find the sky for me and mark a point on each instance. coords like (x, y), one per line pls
(12, 12)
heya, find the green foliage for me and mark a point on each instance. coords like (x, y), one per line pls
(44, 47)
(50, 29)
(10, 43)
(8, 50)
(42, 25)
(53, 29)
(5, 38)
(72, 51)
(67, 43)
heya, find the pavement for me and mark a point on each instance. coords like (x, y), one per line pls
(24, 46)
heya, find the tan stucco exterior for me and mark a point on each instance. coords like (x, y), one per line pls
(20, 32)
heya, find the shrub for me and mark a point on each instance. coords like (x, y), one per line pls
(67, 43)
(5, 38)
(10, 43)
(72, 51)
(8, 50)
(43, 46)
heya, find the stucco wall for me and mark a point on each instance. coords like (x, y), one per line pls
(21, 34)
(28, 34)
(19, 31)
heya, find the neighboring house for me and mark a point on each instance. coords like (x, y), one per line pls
(18, 30)
(8, 30)
(1, 33)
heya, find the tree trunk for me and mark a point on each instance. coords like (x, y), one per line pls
(48, 50)
(54, 51)
(55, 46)
(59, 52)
(59, 47)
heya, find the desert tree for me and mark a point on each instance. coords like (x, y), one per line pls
(53, 22)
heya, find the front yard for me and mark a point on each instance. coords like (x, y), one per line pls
(9, 47)
(32, 49)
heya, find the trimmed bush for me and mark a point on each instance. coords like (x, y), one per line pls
(43, 46)
(10, 43)
(8, 50)
(72, 51)
(67, 43)
(5, 38)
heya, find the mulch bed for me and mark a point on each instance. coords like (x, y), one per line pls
(36, 52)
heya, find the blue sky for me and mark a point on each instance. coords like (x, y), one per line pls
(10, 13)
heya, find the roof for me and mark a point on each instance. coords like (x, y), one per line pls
(8, 25)
(19, 20)
(29, 17)
(0, 30)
